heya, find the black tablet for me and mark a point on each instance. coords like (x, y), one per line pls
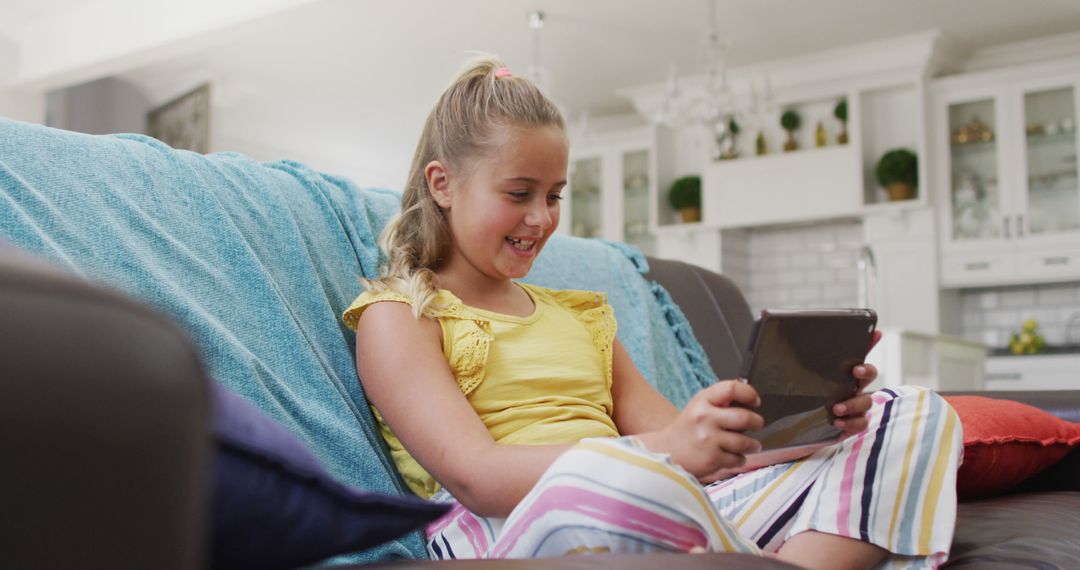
(800, 362)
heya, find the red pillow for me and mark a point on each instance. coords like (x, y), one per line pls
(1006, 442)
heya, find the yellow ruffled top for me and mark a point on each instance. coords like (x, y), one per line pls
(540, 379)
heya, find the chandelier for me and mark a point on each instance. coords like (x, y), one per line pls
(577, 127)
(536, 72)
(713, 104)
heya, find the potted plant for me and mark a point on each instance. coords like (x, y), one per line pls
(685, 196)
(840, 112)
(790, 120)
(898, 172)
(729, 141)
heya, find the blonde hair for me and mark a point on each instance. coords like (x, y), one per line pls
(459, 128)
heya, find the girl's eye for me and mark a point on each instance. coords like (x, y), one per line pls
(520, 194)
(554, 197)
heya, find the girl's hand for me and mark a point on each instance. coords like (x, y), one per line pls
(706, 437)
(851, 414)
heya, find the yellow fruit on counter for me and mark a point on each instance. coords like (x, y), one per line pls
(1028, 340)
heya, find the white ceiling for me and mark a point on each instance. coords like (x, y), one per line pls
(335, 66)
(592, 47)
(407, 49)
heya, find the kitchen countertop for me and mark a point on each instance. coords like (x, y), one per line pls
(1048, 349)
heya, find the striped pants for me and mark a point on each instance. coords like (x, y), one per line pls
(893, 485)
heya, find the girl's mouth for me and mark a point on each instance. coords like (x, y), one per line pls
(522, 245)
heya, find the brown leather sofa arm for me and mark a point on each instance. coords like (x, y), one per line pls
(103, 428)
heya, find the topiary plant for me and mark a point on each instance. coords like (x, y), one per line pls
(898, 172)
(898, 165)
(790, 120)
(840, 111)
(685, 192)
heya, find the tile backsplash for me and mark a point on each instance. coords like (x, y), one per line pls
(802, 266)
(812, 266)
(991, 315)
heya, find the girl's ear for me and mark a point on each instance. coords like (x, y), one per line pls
(438, 183)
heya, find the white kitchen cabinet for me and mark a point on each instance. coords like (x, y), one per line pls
(1033, 372)
(692, 244)
(1006, 144)
(899, 272)
(612, 181)
(941, 362)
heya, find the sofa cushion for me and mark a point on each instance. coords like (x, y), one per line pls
(1007, 442)
(274, 506)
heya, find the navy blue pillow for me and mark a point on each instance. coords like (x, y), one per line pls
(275, 506)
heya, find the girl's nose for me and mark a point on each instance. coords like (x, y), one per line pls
(539, 215)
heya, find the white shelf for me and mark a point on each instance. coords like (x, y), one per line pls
(898, 206)
(683, 228)
(797, 186)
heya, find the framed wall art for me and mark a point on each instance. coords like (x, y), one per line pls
(183, 122)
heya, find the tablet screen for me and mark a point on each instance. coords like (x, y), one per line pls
(800, 363)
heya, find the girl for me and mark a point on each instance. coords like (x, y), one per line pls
(518, 403)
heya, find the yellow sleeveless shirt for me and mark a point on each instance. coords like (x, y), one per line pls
(540, 379)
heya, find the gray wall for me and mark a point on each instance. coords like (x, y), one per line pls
(99, 107)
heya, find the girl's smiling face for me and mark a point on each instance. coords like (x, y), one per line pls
(503, 206)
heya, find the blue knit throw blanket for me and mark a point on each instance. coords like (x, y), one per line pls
(257, 262)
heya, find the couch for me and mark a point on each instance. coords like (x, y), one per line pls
(236, 272)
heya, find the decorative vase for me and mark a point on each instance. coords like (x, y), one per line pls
(842, 137)
(819, 135)
(790, 144)
(727, 147)
(692, 214)
(760, 144)
(899, 191)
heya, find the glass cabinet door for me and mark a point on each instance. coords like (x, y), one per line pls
(586, 177)
(1053, 198)
(975, 191)
(635, 182)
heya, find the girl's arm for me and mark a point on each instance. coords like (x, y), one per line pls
(638, 407)
(704, 438)
(405, 375)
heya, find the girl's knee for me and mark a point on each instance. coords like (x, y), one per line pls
(622, 479)
(923, 406)
(622, 464)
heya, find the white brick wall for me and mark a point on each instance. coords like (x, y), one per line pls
(803, 266)
(991, 315)
(735, 257)
(815, 266)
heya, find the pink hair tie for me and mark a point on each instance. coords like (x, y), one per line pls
(503, 72)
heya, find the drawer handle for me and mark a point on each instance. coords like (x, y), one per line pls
(1059, 260)
(980, 266)
(1004, 376)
